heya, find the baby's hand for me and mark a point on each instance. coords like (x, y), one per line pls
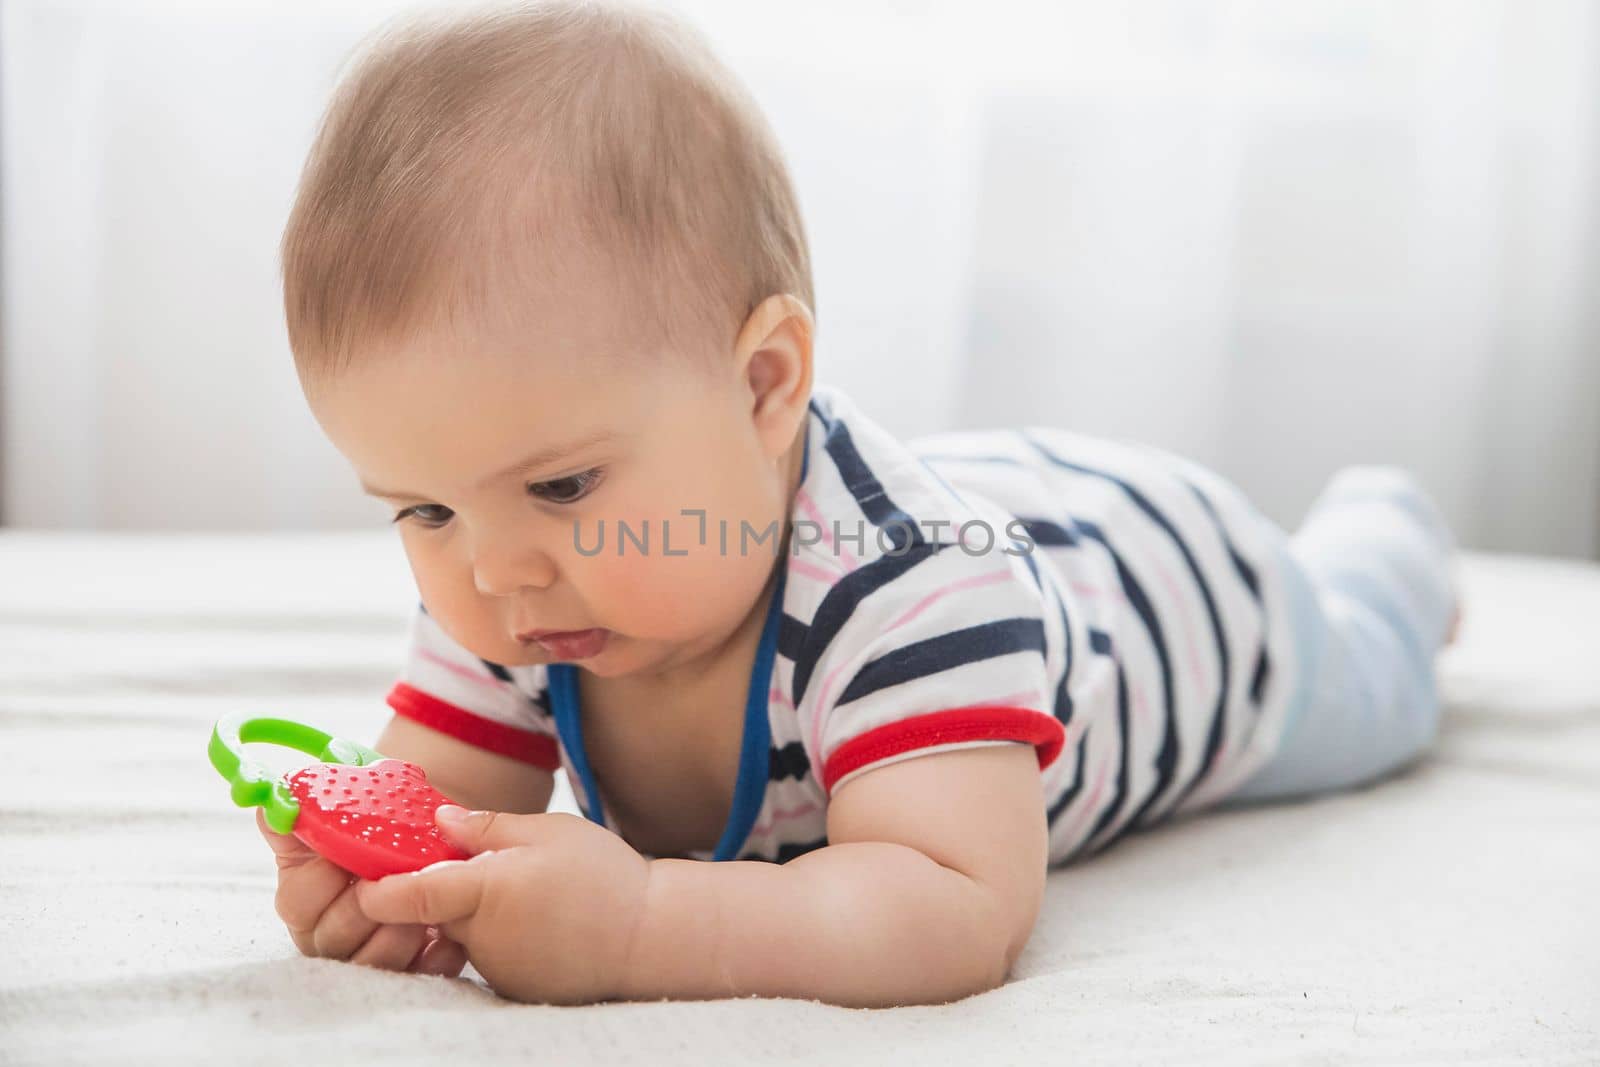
(317, 902)
(546, 907)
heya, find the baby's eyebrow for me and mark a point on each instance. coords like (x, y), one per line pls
(540, 458)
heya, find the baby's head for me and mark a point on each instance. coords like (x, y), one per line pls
(546, 269)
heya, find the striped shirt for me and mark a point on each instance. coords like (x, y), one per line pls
(1115, 607)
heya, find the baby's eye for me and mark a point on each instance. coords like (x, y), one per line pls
(418, 510)
(567, 490)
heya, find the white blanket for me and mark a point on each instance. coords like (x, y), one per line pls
(1444, 916)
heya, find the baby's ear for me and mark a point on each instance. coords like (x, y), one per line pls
(773, 356)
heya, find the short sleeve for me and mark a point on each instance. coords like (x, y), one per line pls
(446, 687)
(933, 650)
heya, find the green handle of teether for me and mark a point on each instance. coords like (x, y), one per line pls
(252, 784)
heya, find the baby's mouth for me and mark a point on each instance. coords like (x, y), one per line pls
(568, 644)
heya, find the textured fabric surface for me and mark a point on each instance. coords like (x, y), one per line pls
(1442, 916)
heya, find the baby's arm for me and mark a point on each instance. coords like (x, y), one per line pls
(927, 891)
(469, 775)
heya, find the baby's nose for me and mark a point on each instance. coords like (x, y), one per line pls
(507, 567)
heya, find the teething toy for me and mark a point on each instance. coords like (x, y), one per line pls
(369, 814)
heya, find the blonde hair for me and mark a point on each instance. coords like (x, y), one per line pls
(465, 151)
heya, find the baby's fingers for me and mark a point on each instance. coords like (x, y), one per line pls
(392, 948)
(444, 892)
(342, 928)
(440, 956)
(288, 848)
(307, 890)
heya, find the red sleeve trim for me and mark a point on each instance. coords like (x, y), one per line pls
(525, 745)
(980, 722)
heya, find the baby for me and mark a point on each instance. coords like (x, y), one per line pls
(548, 291)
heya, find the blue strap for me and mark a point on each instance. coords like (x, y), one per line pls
(751, 786)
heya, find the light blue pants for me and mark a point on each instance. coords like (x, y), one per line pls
(1369, 575)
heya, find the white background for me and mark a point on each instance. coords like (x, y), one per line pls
(1275, 237)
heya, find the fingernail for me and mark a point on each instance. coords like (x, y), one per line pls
(451, 813)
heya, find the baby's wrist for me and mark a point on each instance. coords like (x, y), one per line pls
(672, 949)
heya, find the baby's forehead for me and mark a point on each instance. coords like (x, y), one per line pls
(584, 327)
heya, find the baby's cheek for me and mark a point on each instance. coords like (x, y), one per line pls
(637, 592)
(665, 596)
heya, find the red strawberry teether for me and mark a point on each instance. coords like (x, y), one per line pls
(369, 814)
(371, 821)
